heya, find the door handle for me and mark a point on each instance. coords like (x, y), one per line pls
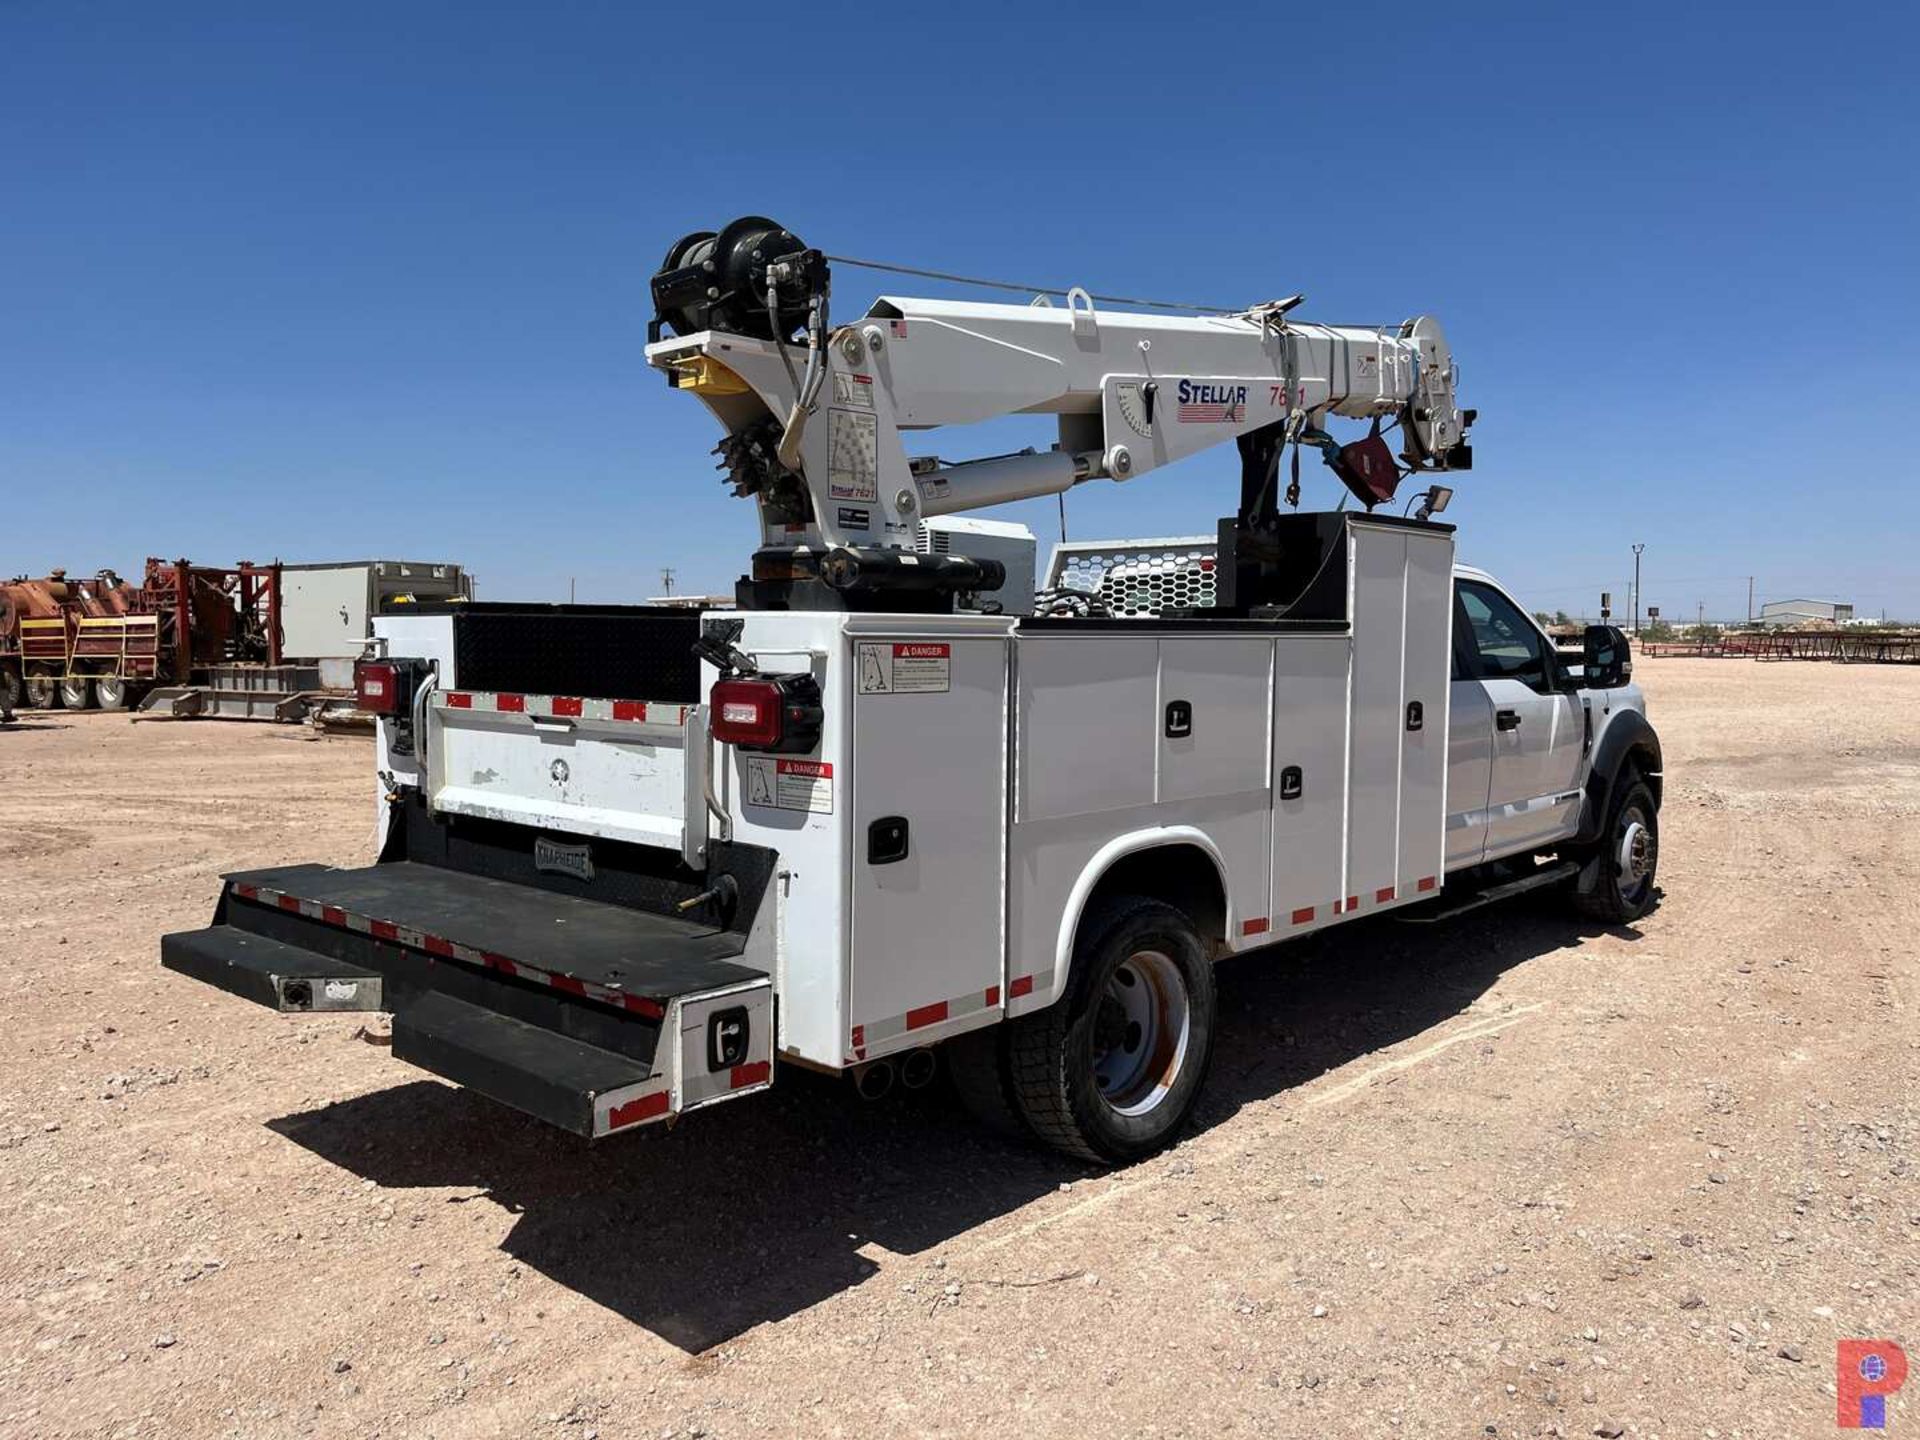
(1506, 720)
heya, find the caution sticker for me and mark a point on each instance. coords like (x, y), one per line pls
(790, 784)
(905, 667)
(853, 389)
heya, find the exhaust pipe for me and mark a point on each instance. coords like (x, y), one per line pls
(917, 1069)
(873, 1079)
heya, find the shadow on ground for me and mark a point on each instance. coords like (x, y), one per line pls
(755, 1211)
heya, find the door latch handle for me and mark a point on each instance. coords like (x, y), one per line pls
(1506, 720)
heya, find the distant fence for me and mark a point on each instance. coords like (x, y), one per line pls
(1848, 647)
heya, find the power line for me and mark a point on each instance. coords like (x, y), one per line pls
(1033, 289)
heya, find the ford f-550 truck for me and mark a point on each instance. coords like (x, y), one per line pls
(635, 860)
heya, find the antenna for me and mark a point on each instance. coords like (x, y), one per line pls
(666, 578)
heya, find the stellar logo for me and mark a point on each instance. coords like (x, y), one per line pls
(1205, 404)
(1865, 1373)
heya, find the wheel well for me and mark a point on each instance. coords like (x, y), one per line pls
(1644, 759)
(1184, 876)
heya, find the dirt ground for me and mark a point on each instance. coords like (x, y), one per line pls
(1512, 1176)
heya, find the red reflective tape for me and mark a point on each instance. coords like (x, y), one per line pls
(459, 700)
(640, 1005)
(567, 705)
(756, 1073)
(1353, 902)
(645, 1108)
(514, 704)
(1303, 915)
(247, 892)
(1428, 883)
(568, 985)
(993, 994)
(290, 902)
(1256, 927)
(927, 1015)
(333, 915)
(1018, 986)
(437, 946)
(1380, 897)
(384, 930)
(629, 710)
(859, 1038)
(498, 962)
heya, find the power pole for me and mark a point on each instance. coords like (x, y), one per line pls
(1636, 588)
(666, 578)
(1749, 601)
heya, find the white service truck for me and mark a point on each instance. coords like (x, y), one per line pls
(634, 859)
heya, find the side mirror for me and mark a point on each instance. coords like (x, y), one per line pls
(1605, 658)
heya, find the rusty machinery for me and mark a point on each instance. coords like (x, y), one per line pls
(103, 641)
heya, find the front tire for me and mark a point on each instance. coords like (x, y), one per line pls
(41, 691)
(1628, 856)
(1112, 1072)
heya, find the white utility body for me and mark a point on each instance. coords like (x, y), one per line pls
(877, 815)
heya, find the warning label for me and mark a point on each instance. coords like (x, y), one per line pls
(905, 667)
(790, 784)
(853, 455)
(853, 389)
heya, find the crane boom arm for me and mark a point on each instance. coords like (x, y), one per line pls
(817, 433)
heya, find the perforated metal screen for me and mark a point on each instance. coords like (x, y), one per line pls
(1140, 577)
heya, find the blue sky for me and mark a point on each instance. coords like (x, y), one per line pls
(327, 281)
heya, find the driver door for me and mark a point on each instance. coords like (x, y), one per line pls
(1539, 731)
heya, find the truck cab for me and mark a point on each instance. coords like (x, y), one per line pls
(1542, 753)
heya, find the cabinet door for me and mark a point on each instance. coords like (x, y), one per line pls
(928, 843)
(1310, 778)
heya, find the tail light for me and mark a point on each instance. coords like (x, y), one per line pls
(385, 687)
(766, 712)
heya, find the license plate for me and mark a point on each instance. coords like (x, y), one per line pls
(557, 859)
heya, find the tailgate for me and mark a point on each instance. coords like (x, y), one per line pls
(592, 1016)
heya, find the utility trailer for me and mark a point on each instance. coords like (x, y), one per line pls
(634, 859)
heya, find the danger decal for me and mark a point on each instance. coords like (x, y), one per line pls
(905, 667)
(790, 784)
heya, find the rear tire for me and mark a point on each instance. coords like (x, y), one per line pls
(1112, 1072)
(76, 694)
(983, 1079)
(110, 692)
(1628, 856)
(42, 691)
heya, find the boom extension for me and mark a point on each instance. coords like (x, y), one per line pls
(815, 430)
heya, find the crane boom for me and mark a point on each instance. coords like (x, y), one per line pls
(816, 432)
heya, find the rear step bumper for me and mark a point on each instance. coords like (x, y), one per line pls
(591, 1016)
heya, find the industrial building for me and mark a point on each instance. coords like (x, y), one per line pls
(1803, 612)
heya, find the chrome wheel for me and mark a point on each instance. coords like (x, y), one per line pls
(1141, 1032)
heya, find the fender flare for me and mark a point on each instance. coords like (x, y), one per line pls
(1095, 870)
(1626, 732)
